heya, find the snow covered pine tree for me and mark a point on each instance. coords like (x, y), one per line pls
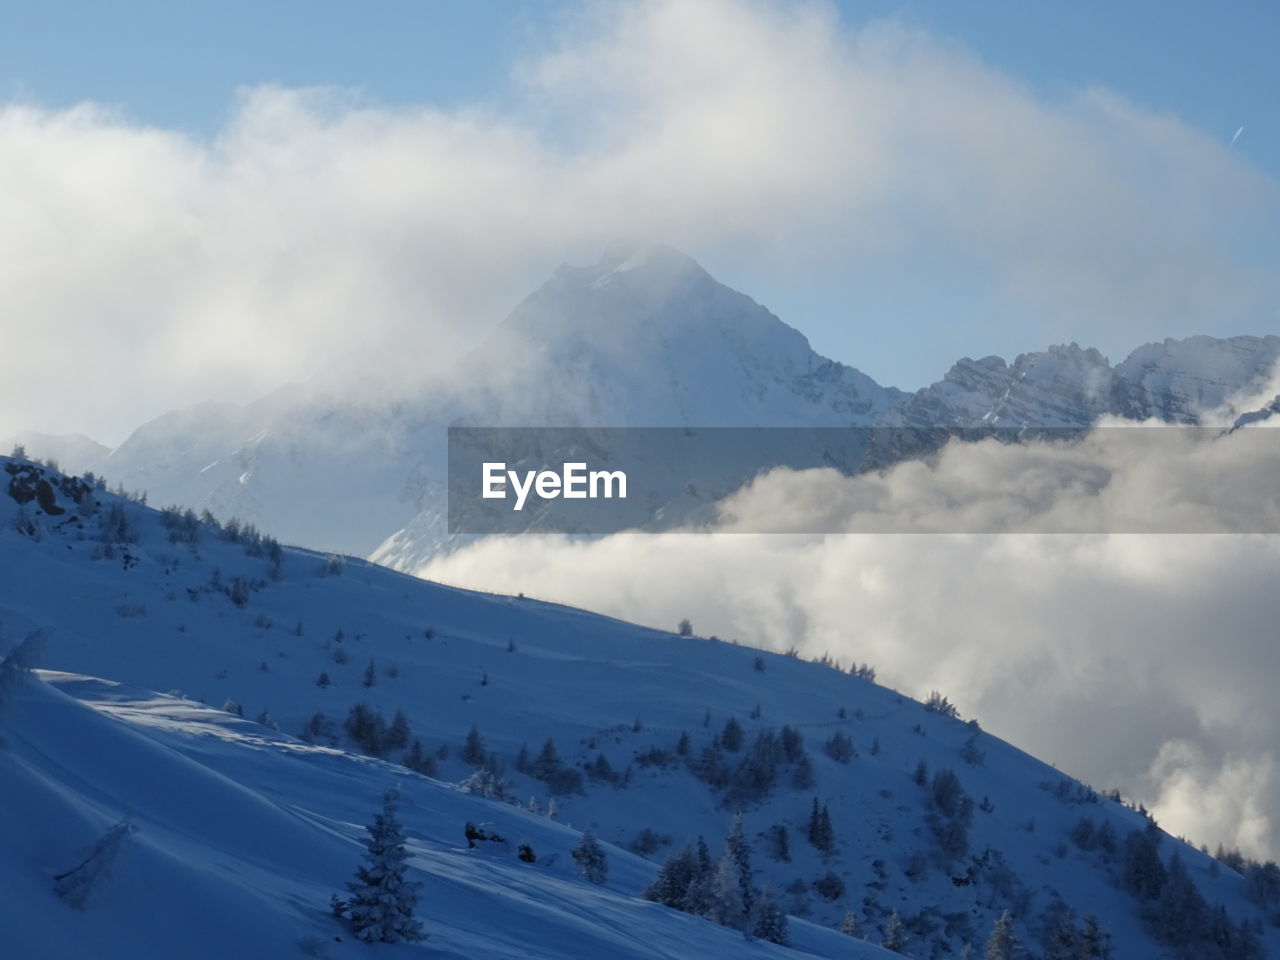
(590, 857)
(1002, 944)
(382, 899)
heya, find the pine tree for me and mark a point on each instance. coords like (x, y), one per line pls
(398, 733)
(601, 769)
(367, 728)
(1144, 873)
(780, 843)
(792, 741)
(370, 674)
(711, 767)
(698, 895)
(1095, 943)
(486, 783)
(1180, 914)
(849, 926)
(839, 747)
(802, 776)
(1245, 944)
(1002, 944)
(895, 937)
(419, 761)
(821, 833)
(737, 847)
(950, 814)
(547, 763)
(769, 922)
(971, 753)
(815, 825)
(731, 735)
(1105, 838)
(676, 875)
(704, 857)
(727, 908)
(1063, 942)
(473, 750)
(317, 728)
(382, 899)
(591, 859)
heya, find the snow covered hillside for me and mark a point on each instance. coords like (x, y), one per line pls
(235, 837)
(297, 687)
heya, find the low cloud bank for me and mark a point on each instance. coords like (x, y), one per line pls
(1144, 661)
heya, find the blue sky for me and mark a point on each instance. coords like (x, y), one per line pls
(178, 63)
(901, 309)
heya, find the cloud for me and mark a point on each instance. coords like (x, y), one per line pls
(1133, 660)
(1120, 477)
(143, 268)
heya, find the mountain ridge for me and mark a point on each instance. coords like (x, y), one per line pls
(643, 337)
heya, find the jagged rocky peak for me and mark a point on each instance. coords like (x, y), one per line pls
(1179, 380)
(1061, 358)
(1065, 385)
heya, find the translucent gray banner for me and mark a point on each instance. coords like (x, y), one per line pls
(1115, 479)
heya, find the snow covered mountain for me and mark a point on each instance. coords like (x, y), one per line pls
(860, 806)
(1187, 381)
(644, 337)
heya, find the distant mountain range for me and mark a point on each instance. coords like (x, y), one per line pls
(644, 337)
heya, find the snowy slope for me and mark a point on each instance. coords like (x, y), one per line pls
(153, 614)
(238, 837)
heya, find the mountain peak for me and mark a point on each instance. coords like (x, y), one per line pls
(648, 263)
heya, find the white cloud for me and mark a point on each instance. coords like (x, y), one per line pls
(1121, 477)
(142, 268)
(1140, 661)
